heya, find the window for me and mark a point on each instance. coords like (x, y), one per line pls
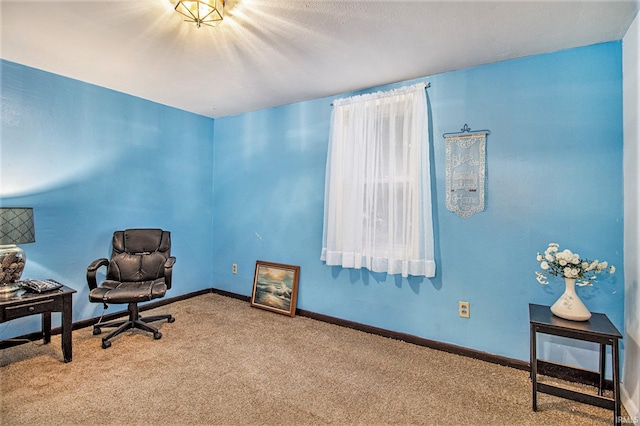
(377, 190)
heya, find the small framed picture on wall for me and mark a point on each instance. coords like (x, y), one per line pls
(275, 287)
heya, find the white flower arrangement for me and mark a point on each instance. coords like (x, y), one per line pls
(569, 265)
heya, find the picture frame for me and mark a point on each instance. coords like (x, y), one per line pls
(275, 287)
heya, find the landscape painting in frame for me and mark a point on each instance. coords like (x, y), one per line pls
(275, 287)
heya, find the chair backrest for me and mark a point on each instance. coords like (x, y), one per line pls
(139, 254)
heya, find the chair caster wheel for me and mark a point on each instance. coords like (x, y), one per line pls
(96, 331)
(157, 335)
(106, 344)
(171, 319)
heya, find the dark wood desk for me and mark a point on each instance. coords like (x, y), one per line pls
(598, 329)
(25, 303)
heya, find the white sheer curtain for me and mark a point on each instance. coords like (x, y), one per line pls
(377, 191)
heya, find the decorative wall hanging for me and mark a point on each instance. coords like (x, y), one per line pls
(465, 171)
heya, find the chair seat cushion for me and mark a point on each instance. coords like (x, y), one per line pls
(128, 292)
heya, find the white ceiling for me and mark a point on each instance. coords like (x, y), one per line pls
(274, 52)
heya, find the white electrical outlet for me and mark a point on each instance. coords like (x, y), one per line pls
(234, 268)
(463, 309)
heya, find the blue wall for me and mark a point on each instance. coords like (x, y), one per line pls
(554, 174)
(90, 161)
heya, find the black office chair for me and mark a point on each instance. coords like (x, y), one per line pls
(139, 270)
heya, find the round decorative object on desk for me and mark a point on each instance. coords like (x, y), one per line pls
(12, 260)
(569, 306)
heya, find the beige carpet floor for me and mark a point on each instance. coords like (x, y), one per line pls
(224, 363)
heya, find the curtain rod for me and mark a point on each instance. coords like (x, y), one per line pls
(467, 129)
(426, 86)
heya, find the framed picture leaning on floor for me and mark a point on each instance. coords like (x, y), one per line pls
(275, 286)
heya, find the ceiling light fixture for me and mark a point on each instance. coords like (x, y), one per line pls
(202, 12)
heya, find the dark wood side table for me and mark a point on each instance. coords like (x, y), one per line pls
(25, 303)
(598, 329)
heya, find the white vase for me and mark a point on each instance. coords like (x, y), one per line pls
(569, 306)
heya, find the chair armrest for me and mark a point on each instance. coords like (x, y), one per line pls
(168, 270)
(92, 269)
